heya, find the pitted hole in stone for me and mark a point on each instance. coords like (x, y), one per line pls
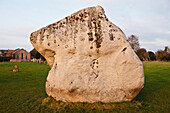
(81, 15)
(90, 34)
(96, 34)
(82, 19)
(58, 44)
(93, 19)
(72, 90)
(91, 47)
(118, 38)
(54, 24)
(55, 66)
(86, 12)
(98, 46)
(90, 39)
(100, 15)
(48, 44)
(53, 53)
(98, 40)
(90, 56)
(82, 39)
(47, 36)
(66, 46)
(85, 16)
(110, 25)
(111, 36)
(41, 39)
(96, 75)
(115, 30)
(97, 51)
(124, 49)
(89, 27)
(93, 62)
(55, 41)
(77, 18)
(76, 31)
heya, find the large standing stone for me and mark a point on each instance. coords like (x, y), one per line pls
(90, 59)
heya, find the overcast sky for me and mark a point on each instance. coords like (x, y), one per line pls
(147, 19)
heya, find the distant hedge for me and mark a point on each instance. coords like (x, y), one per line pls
(5, 59)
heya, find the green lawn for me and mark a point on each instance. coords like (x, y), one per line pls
(25, 91)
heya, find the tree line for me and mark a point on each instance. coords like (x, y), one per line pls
(144, 55)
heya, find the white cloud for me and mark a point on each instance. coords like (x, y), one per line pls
(156, 44)
(168, 32)
(102, 0)
(15, 38)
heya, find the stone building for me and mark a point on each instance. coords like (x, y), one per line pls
(3, 53)
(20, 55)
(9, 53)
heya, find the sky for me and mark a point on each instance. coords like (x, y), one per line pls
(147, 19)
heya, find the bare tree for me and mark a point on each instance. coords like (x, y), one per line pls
(163, 55)
(152, 56)
(134, 42)
(142, 54)
(167, 49)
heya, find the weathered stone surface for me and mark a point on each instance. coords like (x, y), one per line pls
(15, 68)
(90, 59)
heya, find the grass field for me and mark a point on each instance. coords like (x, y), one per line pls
(25, 91)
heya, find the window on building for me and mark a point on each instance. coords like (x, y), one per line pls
(13, 56)
(21, 55)
(17, 57)
(26, 57)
